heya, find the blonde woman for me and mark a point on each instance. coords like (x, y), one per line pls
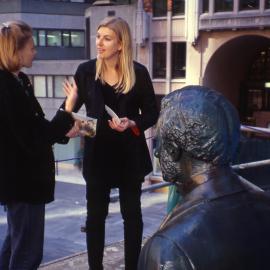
(118, 156)
(26, 160)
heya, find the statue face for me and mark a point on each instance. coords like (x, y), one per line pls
(168, 152)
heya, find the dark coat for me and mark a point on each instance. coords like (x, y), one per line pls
(220, 225)
(27, 172)
(138, 105)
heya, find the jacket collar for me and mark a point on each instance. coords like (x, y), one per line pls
(222, 182)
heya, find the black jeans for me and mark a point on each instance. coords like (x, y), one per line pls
(23, 245)
(97, 210)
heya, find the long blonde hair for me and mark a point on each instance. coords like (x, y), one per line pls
(13, 37)
(125, 66)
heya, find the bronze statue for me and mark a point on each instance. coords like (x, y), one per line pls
(223, 223)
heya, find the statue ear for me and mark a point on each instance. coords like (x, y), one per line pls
(176, 154)
(170, 135)
(173, 150)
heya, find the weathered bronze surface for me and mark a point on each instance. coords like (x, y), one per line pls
(221, 224)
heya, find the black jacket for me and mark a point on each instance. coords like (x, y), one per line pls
(219, 225)
(27, 171)
(138, 105)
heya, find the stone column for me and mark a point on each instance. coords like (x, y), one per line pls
(169, 47)
(211, 7)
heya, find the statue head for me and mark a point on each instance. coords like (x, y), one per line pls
(197, 124)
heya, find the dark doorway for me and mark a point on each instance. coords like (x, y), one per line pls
(240, 69)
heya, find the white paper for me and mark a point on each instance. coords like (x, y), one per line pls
(112, 114)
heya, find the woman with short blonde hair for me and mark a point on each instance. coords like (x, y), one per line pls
(26, 162)
(13, 37)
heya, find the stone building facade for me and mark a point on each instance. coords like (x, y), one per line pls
(221, 44)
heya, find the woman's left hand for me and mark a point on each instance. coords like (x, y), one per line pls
(74, 131)
(71, 91)
(121, 126)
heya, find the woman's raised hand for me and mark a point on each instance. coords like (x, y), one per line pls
(71, 91)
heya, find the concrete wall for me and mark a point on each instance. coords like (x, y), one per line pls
(54, 67)
(48, 15)
(42, 7)
(47, 20)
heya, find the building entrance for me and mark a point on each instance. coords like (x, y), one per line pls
(240, 69)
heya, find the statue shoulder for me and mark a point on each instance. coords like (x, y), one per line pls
(165, 254)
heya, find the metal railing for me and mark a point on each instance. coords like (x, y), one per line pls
(57, 161)
(264, 131)
(259, 130)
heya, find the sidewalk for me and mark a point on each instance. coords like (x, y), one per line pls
(113, 260)
(66, 214)
(65, 245)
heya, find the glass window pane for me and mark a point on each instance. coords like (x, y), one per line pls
(54, 38)
(248, 4)
(50, 86)
(178, 60)
(160, 8)
(223, 5)
(70, 78)
(77, 39)
(159, 60)
(178, 7)
(35, 36)
(41, 38)
(58, 86)
(40, 86)
(205, 8)
(267, 4)
(66, 39)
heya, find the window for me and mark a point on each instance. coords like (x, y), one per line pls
(54, 38)
(59, 38)
(223, 5)
(248, 4)
(77, 39)
(159, 60)
(178, 60)
(58, 86)
(40, 86)
(48, 85)
(66, 38)
(267, 4)
(205, 6)
(41, 38)
(160, 8)
(178, 7)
